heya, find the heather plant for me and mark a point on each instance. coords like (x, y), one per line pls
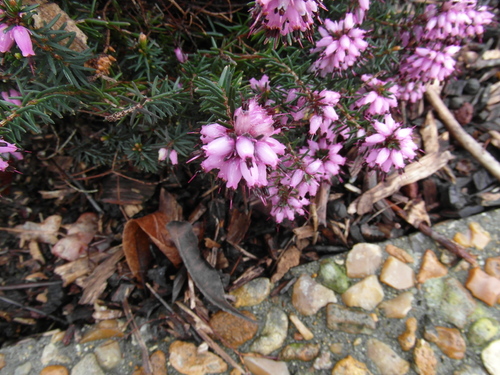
(275, 99)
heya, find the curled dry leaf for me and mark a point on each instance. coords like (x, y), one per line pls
(138, 233)
(80, 234)
(45, 231)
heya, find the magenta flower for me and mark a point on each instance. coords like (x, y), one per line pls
(261, 85)
(377, 95)
(181, 56)
(324, 112)
(411, 91)
(7, 96)
(284, 17)
(390, 146)
(323, 159)
(340, 47)
(6, 148)
(23, 40)
(6, 39)
(245, 151)
(428, 64)
(163, 153)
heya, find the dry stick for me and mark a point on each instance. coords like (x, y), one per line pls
(32, 309)
(439, 238)
(467, 142)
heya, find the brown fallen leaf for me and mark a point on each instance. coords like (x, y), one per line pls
(45, 231)
(205, 277)
(289, 259)
(238, 226)
(80, 234)
(138, 233)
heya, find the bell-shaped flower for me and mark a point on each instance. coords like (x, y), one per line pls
(6, 39)
(23, 40)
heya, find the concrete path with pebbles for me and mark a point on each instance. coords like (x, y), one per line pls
(406, 308)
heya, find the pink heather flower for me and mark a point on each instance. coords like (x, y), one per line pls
(390, 146)
(376, 93)
(245, 151)
(411, 91)
(324, 112)
(341, 45)
(284, 17)
(428, 64)
(323, 159)
(6, 39)
(23, 40)
(181, 56)
(7, 96)
(261, 85)
(360, 11)
(6, 148)
(455, 20)
(172, 155)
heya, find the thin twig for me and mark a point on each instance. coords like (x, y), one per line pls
(467, 142)
(30, 285)
(146, 363)
(32, 309)
(439, 238)
(481, 64)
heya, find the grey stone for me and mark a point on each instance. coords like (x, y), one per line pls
(23, 369)
(347, 320)
(386, 359)
(108, 354)
(308, 296)
(87, 366)
(253, 292)
(51, 354)
(491, 357)
(273, 334)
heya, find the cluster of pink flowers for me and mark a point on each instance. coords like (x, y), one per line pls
(18, 34)
(390, 146)
(285, 17)
(246, 150)
(377, 95)
(340, 47)
(454, 20)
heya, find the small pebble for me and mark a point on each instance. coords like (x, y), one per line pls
(323, 361)
(264, 366)
(185, 358)
(333, 276)
(108, 354)
(105, 329)
(431, 267)
(483, 286)
(336, 348)
(88, 365)
(23, 369)
(350, 366)
(273, 334)
(348, 320)
(449, 340)
(158, 363)
(407, 338)
(491, 357)
(234, 330)
(492, 267)
(363, 260)
(397, 274)
(308, 296)
(252, 293)
(482, 331)
(304, 331)
(367, 294)
(299, 351)
(424, 358)
(54, 370)
(397, 307)
(385, 359)
(457, 304)
(51, 354)
(399, 253)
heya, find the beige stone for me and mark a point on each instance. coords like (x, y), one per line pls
(483, 286)
(308, 296)
(431, 267)
(492, 267)
(397, 307)
(350, 366)
(185, 358)
(264, 366)
(367, 294)
(424, 358)
(301, 327)
(385, 359)
(363, 260)
(397, 274)
(399, 253)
